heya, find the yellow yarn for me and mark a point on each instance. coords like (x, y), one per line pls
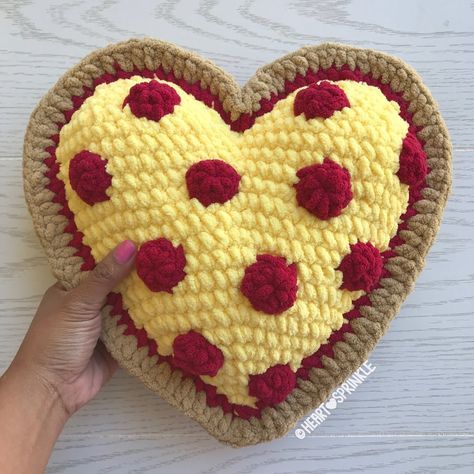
(149, 199)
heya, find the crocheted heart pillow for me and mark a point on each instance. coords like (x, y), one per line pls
(279, 226)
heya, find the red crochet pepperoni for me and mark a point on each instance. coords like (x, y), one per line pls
(270, 284)
(194, 354)
(89, 178)
(324, 189)
(362, 268)
(273, 386)
(413, 162)
(320, 100)
(212, 181)
(161, 265)
(152, 100)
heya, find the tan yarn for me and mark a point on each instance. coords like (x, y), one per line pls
(386, 300)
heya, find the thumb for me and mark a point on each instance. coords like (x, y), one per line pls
(91, 294)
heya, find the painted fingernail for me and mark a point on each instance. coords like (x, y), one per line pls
(124, 251)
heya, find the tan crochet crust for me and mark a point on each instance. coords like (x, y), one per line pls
(404, 268)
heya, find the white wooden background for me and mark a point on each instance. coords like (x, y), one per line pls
(416, 412)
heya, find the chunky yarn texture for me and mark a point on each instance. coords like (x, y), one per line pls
(279, 227)
(291, 227)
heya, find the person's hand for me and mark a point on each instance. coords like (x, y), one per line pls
(61, 364)
(62, 346)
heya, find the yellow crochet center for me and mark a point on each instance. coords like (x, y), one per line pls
(149, 199)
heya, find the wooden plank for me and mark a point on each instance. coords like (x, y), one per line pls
(177, 454)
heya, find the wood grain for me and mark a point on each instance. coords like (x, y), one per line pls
(416, 411)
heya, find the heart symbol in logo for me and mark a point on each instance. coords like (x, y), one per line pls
(279, 226)
(331, 404)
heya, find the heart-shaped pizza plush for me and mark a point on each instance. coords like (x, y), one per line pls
(279, 226)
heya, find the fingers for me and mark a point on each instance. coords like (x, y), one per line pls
(90, 295)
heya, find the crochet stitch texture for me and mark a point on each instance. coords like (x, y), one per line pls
(277, 236)
(148, 160)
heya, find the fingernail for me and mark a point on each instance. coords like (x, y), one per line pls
(124, 251)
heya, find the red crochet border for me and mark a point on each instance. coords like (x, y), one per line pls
(244, 122)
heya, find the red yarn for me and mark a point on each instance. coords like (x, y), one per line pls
(194, 354)
(324, 189)
(274, 385)
(89, 178)
(270, 284)
(212, 181)
(413, 162)
(320, 100)
(362, 268)
(160, 265)
(152, 100)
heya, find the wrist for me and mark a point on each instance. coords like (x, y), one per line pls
(26, 395)
(34, 386)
